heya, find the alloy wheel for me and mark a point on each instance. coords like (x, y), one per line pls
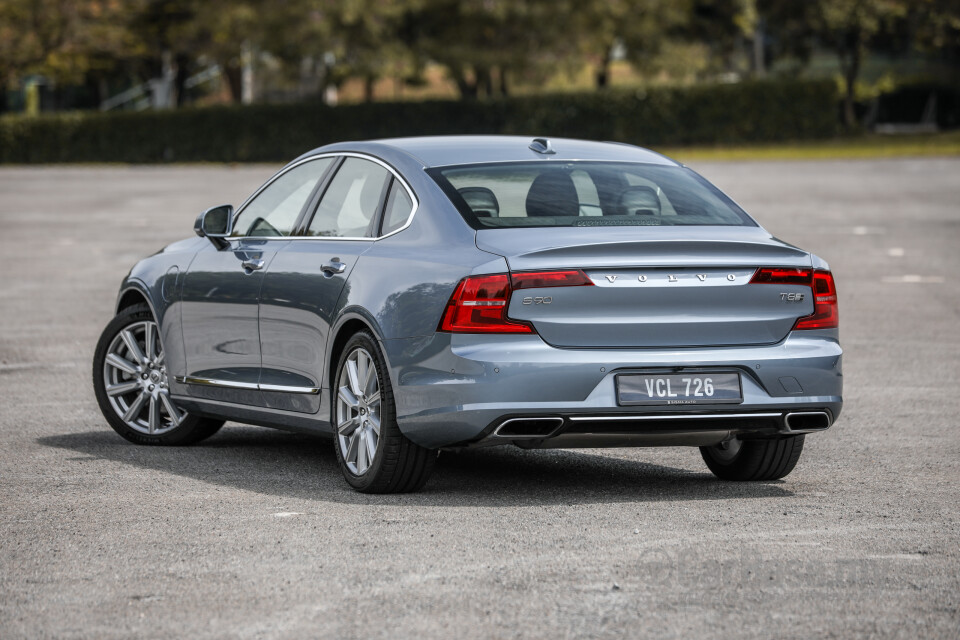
(358, 411)
(135, 379)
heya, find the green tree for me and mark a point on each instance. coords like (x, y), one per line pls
(847, 27)
(639, 26)
(62, 40)
(483, 42)
(938, 28)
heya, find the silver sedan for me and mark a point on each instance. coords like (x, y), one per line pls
(412, 295)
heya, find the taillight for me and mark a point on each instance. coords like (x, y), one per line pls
(479, 305)
(825, 314)
(541, 279)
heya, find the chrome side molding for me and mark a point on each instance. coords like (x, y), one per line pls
(250, 386)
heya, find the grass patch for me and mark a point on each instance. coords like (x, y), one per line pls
(866, 146)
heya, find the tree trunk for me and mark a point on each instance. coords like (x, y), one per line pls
(504, 89)
(484, 81)
(368, 83)
(759, 57)
(603, 71)
(180, 80)
(3, 94)
(468, 90)
(234, 75)
(850, 59)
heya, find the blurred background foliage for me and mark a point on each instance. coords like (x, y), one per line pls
(167, 55)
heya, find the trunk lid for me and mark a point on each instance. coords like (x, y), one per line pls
(657, 287)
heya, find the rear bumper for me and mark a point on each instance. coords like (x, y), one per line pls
(457, 390)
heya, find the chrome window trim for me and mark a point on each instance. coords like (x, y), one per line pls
(249, 386)
(555, 160)
(334, 155)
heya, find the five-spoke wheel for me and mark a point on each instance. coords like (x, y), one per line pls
(358, 411)
(374, 456)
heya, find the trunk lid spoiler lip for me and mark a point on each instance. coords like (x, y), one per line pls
(527, 249)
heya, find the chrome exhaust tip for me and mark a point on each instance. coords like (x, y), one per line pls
(544, 427)
(806, 422)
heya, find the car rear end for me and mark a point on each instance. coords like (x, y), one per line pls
(652, 311)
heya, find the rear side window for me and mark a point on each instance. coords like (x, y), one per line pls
(399, 206)
(585, 194)
(350, 204)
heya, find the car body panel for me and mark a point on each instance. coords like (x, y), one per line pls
(452, 389)
(657, 287)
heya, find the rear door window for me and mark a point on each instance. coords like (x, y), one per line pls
(348, 208)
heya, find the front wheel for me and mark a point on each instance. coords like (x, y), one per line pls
(753, 459)
(130, 383)
(374, 456)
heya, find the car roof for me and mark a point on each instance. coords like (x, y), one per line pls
(437, 151)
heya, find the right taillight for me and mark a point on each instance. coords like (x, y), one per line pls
(825, 314)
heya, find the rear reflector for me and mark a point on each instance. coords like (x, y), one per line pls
(479, 305)
(782, 276)
(542, 279)
(825, 314)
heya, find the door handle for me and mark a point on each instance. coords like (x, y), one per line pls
(252, 264)
(334, 267)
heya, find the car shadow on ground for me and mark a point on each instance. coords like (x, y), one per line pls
(304, 467)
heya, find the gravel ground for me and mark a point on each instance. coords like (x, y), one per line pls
(254, 533)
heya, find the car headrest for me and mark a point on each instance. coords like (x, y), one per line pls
(553, 194)
(640, 200)
(481, 201)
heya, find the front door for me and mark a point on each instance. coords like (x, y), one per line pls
(221, 290)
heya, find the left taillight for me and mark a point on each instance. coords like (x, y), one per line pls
(479, 305)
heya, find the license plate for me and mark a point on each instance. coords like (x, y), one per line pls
(679, 388)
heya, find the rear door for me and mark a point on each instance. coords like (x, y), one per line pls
(305, 281)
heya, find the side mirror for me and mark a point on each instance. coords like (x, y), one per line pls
(215, 224)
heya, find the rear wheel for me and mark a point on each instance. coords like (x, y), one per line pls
(753, 459)
(374, 456)
(130, 383)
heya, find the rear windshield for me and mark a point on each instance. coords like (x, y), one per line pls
(585, 194)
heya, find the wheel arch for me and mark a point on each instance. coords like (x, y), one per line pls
(350, 323)
(133, 293)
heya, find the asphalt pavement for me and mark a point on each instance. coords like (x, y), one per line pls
(254, 534)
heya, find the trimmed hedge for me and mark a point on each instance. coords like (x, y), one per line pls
(707, 114)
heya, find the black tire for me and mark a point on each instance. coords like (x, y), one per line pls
(754, 459)
(399, 465)
(190, 430)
